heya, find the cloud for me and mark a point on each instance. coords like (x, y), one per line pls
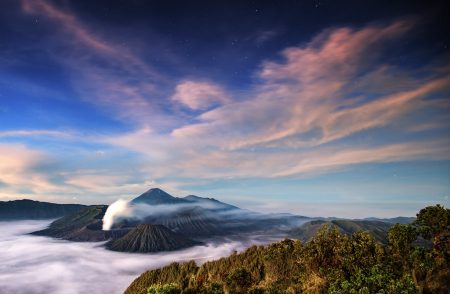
(265, 36)
(82, 34)
(37, 265)
(199, 95)
(35, 133)
(320, 88)
(317, 162)
(16, 158)
(17, 163)
(295, 121)
(322, 106)
(246, 164)
(32, 173)
(102, 71)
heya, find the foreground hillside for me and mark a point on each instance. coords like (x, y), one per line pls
(332, 262)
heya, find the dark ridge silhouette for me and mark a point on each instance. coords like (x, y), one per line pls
(30, 209)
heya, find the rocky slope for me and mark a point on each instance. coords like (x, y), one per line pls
(150, 238)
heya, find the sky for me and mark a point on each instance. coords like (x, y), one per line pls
(330, 108)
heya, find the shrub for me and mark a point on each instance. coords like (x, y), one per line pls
(164, 289)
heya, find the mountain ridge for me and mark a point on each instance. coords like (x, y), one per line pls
(156, 196)
(192, 218)
(33, 209)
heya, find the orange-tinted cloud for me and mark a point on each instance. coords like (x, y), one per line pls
(329, 89)
(199, 95)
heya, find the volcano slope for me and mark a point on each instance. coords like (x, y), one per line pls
(84, 225)
(150, 238)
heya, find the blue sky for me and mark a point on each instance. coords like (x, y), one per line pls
(309, 107)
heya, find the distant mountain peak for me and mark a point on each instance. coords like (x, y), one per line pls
(156, 196)
(156, 190)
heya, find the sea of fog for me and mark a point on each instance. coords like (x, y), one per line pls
(37, 265)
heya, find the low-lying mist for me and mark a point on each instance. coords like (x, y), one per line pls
(126, 210)
(38, 265)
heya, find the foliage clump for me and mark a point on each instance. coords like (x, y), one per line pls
(415, 260)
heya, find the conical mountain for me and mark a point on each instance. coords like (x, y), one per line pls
(150, 238)
(157, 196)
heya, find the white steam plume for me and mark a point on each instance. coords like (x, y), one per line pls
(123, 209)
(120, 208)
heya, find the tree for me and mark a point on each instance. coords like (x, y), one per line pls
(331, 262)
(376, 279)
(433, 221)
(239, 280)
(321, 253)
(400, 239)
(164, 289)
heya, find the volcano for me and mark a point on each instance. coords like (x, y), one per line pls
(150, 238)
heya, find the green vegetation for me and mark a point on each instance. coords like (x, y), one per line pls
(164, 289)
(377, 229)
(332, 262)
(84, 225)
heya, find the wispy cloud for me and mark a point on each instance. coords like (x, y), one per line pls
(199, 95)
(315, 91)
(293, 121)
(103, 72)
(33, 173)
(16, 172)
(83, 36)
(35, 133)
(299, 117)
